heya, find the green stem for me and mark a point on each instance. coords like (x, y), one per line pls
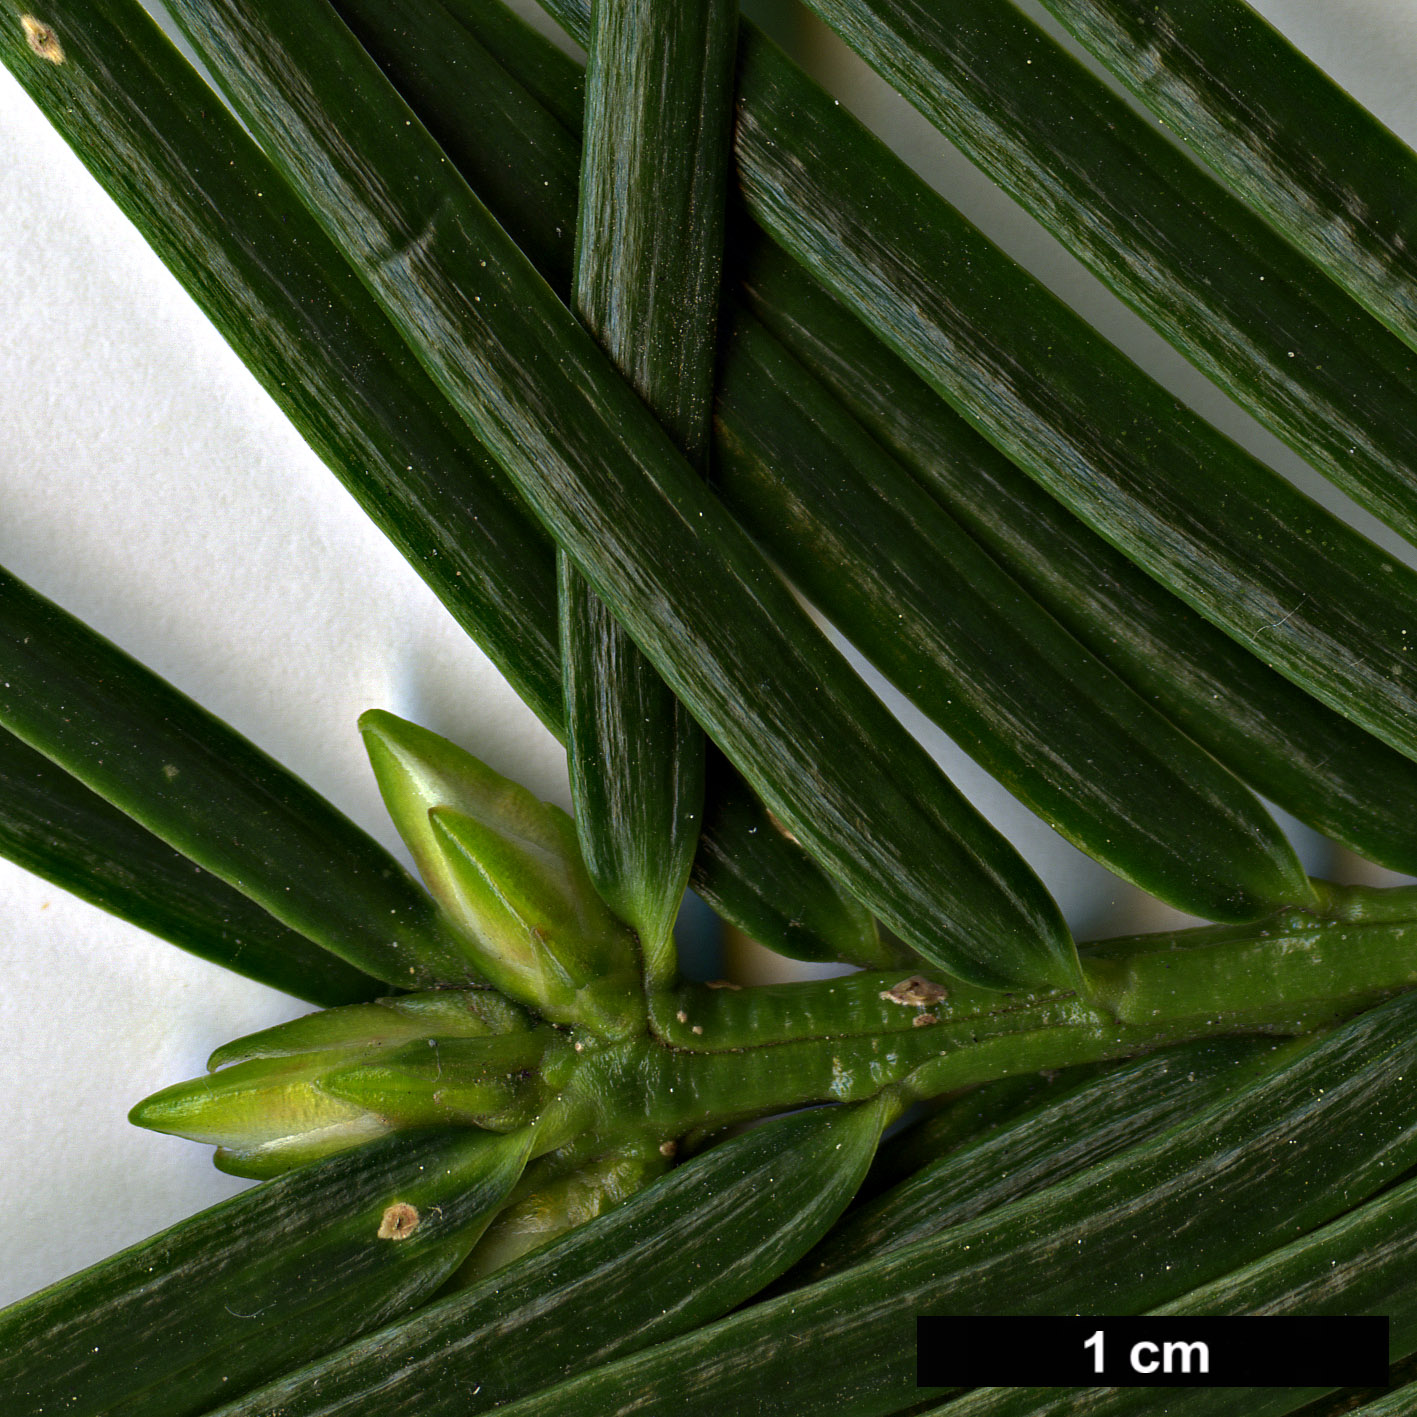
(722, 1054)
(842, 1039)
(1362, 945)
(712, 1056)
(1330, 1124)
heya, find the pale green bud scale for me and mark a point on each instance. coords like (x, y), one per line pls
(507, 870)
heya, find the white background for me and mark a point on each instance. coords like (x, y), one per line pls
(150, 487)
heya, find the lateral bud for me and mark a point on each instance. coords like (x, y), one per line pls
(337, 1079)
(507, 870)
(549, 1207)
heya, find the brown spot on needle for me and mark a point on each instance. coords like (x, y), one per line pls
(42, 39)
(916, 990)
(399, 1222)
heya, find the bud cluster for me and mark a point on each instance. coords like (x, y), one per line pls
(507, 873)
